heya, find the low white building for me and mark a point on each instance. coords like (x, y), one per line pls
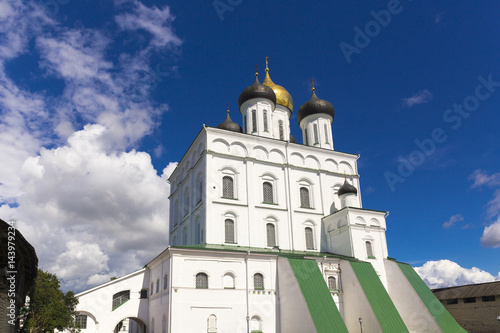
(268, 235)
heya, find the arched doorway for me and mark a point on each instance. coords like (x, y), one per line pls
(130, 325)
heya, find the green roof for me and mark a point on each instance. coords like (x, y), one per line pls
(438, 311)
(380, 301)
(323, 310)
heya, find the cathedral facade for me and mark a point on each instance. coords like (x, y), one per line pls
(268, 235)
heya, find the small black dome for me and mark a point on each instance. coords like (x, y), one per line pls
(347, 188)
(257, 90)
(315, 106)
(230, 125)
(292, 139)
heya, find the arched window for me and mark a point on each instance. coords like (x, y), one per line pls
(326, 133)
(152, 288)
(201, 281)
(157, 285)
(369, 251)
(165, 281)
(229, 231)
(267, 189)
(305, 202)
(199, 191)
(254, 121)
(186, 202)
(332, 283)
(309, 238)
(306, 139)
(282, 131)
(184, 236)
(164, 324)
(121, 297)
(255, 324)
(271, 234)
(258, 281)
(316, 138)
(198, 233)
(212, 324)
(228, 281)
(265, 121)
(153, 325)
(228, 187)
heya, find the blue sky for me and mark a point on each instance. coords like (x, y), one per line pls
(92, 93)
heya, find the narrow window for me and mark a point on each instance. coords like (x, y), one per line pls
(201, 281)
(255, 324)
(198, 233)
(186, 202)
(153, 325)
(158, 285)
(332, 283)
(316, 139)
(258, 281)
(304, 198)
(490, 298)
(267, 189)
(244, 125)
(212, 324)
(282, 132)
(200, 190)
(164, 324)
(81, 321)
(271, 235)
(165, 281)
(326, 133)
(369, 251)
(470, 300)
(184, 236)
(228, 187)
(305, 137)
(265, 121)
(229, 231)
(309, 239)
(254, 121)
(152, 289)
(451, 301)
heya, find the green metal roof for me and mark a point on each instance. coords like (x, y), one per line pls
(323, 310)
(438, 311)
(380, 301)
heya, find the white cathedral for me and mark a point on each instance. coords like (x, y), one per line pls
(268, 235)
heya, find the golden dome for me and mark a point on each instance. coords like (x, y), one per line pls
(283, 97)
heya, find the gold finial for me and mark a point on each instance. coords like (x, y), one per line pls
(227, 108)
(267, 66)
(257, 70)
(312, 83)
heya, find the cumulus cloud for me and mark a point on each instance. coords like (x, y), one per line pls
(73, 177)
(446, 273)
(421, 97)
(491, 233)
(453, 219)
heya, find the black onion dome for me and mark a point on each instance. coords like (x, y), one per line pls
(292, 139)
(230, 125)
(315, 106)
(347, 188)
(257, 90)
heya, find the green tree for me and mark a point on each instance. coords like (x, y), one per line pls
(49, 307)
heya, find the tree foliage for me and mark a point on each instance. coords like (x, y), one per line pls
(49, 307)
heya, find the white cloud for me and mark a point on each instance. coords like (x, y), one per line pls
(481, 178)
(491, 234)
(421, 97)
(92, 205)
(446, 273)
(453, 219)
(157, 22)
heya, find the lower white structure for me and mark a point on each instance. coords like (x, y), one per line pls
(268, 235)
